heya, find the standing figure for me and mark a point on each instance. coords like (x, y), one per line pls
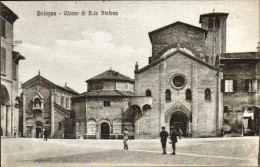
(180, 133)
(45, 133)
(164, 134)
(173, 139)
(126, 137)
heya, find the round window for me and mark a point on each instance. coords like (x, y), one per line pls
(178, 81)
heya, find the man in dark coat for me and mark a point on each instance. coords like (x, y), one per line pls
(45, 133)
(164, 134)
(173, 139)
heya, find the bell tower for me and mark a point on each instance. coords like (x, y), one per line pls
(215, 43)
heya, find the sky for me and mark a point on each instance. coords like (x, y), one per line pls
(73, 49)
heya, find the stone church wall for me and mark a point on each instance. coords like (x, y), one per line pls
(204, 113)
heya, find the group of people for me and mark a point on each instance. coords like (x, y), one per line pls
(173, 137)
(164, 135)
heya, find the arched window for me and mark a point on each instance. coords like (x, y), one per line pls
(148, 93)
(207, 95)
(168, 95)
(37, 102)
(217, 22)
(210, 23)
(188, 95)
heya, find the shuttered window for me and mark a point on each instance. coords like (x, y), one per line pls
(3, 33)
(251, 85)
(228, 86)
(3, 60)
(15, 70)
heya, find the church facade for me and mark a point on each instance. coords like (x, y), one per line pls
(47, 106)
(180, 86)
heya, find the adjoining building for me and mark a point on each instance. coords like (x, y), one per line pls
(47, 106)
(9, 74)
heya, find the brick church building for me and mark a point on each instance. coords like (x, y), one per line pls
(180, 86)
(47, 105)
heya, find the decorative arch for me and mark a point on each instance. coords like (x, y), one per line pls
(207, 95)
(177, 107)
(5, 100)
(187, 46)
(91, 126)
(146, 107)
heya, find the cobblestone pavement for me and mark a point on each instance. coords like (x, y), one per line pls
(241, 151)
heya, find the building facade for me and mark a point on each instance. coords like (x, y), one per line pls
(47, 106)
(101, 111)
(9, 74)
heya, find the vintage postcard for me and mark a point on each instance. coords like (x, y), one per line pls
(130, 83)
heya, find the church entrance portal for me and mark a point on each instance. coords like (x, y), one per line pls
(38, 130)
(105, 130)
(179, 120)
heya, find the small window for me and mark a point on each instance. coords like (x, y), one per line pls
(3, 33)
(217, 23)
(3, 60)
(59, 125)
(210, 23)
(228, 85)
(251, 85)
(106, 103)
(207, 95)
(62, 101)
(168, 97)
(188, 95)
(148, 93)
(15, 70)
(67, 102)
(225, 109)
(37, 103)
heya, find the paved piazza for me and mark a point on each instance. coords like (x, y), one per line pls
(70, 152)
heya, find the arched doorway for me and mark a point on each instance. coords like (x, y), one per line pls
(180, 120)
(105, 130)
(5, 111)
(38, 130)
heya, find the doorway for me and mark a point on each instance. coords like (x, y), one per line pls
(105, 132)
(180, 121)
(38, 130)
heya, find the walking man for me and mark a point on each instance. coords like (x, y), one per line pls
(164, 134)
(45, 134)
(126, 137)
(173, 139)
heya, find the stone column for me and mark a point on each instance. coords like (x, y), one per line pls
(24, 116)
(52, 113)
(162, 94)
(194, 100)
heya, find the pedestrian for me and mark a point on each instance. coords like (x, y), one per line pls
(173, 139)
(180, 133)
(164, 134)
(45, 134)
(126, 137)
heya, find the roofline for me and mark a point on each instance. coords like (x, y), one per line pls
(177, 51)
(212, 14)
(85, 96)
(95, 80)
(49, 82)
(177, 22)
(15, 16)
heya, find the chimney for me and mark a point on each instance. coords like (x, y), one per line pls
(136, 66)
